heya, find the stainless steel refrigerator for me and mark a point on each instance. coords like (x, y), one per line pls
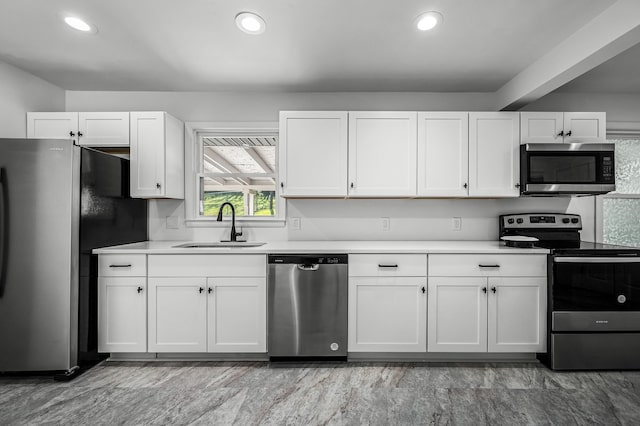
(58, 201)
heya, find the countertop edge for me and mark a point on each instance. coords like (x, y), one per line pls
(348, 247)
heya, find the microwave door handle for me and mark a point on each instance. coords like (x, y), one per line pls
(596, 259)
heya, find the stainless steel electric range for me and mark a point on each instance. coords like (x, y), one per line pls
(593, 295)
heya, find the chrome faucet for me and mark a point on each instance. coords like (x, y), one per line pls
(234, 234)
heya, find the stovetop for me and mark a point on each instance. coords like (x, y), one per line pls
(560, 233)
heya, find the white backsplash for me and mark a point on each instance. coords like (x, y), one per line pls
(363, 219)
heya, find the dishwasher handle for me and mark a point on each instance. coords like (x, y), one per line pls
(308, 266)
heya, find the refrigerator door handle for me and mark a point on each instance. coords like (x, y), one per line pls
(4, 227)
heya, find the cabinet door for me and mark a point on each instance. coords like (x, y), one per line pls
(236, 315)
(517, 314)
(457, 314)
(177, 315)
(387, 314)
(585, 127)
(494, 154)
(541, 127)
(104, 129)
(382, 154)
(52, 125)
(147, 153)
(122, 314)
(443, 154)
(313, 153)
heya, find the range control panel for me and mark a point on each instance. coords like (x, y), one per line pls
(541, 221)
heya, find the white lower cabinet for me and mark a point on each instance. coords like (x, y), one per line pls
(122, 303)
(387, 314)
(207, 303)
(122, 314)
(517, 314)
(387, 303)
(236, 313)
(484, 313)
(457, 314)
(177, 314)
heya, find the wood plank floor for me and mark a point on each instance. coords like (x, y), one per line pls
(221, 393)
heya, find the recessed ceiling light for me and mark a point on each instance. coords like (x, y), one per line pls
(428, 21)
(250, 23)
(78, 24)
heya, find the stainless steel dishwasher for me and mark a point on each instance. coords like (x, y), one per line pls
(307, 306)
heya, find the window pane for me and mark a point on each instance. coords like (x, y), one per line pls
(241, 170)
(627, 166)
(214, 199)
(264, 203)
(621, 223)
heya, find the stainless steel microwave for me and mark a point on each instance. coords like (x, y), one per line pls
(571, 168)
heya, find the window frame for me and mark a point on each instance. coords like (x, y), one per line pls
(193, 163)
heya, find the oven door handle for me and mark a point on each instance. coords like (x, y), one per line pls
(596, 260)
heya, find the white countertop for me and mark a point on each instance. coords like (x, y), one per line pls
(349, 247)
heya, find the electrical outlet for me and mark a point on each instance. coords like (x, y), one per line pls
(386, 223)
(173, 222)
(295, 223)
(456, 224)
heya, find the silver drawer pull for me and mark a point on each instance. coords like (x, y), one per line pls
(488, 266)
(120, 266)
(387, 266)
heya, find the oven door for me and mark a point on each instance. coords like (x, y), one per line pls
(567, 168)
(595, 293)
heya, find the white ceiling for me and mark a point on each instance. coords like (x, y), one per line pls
(309, 45)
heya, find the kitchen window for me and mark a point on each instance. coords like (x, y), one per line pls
(621, 209)
(237, 165)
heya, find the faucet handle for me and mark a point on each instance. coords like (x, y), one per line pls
(238, 234)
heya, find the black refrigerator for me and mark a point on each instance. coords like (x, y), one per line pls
(58, 202)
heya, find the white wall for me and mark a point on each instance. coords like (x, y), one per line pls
(619, 107)
(338, 219)
(21, 92)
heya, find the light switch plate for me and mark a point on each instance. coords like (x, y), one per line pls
(456, 224)
(295, 223)
(386, 224)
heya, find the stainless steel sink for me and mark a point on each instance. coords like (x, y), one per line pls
(221, 244)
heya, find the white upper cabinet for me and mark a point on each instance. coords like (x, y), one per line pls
(443, 154)
(103, 129)
(541, 127)
(494, 156)
(157, 155)
(585, 127)
(96, 129)
(54, 125)
(313, 154)
(382, 154)
(563, 127)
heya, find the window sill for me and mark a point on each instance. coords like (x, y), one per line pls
(247, 223)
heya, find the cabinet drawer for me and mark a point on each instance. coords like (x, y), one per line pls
(371, 265)
(208, 265)
(122, 265)
(470, 265)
